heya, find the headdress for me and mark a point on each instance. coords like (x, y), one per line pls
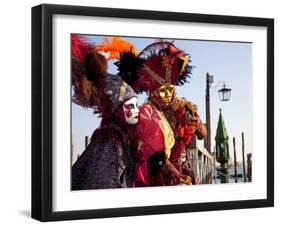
(92, 86)
(158, 64)
(117, 91)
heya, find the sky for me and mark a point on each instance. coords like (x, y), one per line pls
(229, 62)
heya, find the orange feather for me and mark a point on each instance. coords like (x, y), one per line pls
(115, 46)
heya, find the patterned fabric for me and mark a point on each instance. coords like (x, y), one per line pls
(117, 91)
(106, 163)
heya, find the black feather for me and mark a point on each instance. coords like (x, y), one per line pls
(128, 66)
(185, 75)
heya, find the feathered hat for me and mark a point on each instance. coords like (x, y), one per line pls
(92, 86)
(158, 64)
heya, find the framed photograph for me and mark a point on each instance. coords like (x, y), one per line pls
(145, 112)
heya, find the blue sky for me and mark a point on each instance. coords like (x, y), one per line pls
(230, 62)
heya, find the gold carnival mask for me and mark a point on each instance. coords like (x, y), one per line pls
(166, 93)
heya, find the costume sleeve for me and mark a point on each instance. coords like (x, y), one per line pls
(187, 113)
(101, 166)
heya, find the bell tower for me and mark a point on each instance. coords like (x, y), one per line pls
(222, 150)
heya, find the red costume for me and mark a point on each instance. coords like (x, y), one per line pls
(156, 70)
(150, 139)
(166, 126)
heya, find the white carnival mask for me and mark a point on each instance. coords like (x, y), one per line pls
(131, 111)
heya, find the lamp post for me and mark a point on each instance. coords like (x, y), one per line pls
(224, 94)
(209, 81)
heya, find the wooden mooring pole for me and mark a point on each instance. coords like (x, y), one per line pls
(235, 162)
(243, 153)
(86, 141)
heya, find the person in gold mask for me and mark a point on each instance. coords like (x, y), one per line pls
(156, 70)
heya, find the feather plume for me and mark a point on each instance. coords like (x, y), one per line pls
(89, 70)
(115, 46)
(84, 93)
(128, 65)
(80, 47)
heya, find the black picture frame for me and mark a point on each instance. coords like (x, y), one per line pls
(42, 111)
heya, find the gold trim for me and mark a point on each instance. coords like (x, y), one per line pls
(169, 74)
(168, 133)
(185, 62)
(154, 75)
(122, 91)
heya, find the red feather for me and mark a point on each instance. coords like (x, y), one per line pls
(80, 46)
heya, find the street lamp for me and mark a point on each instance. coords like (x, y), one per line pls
(224, 96)
(224, 93)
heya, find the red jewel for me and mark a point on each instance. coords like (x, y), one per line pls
(128, 113)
